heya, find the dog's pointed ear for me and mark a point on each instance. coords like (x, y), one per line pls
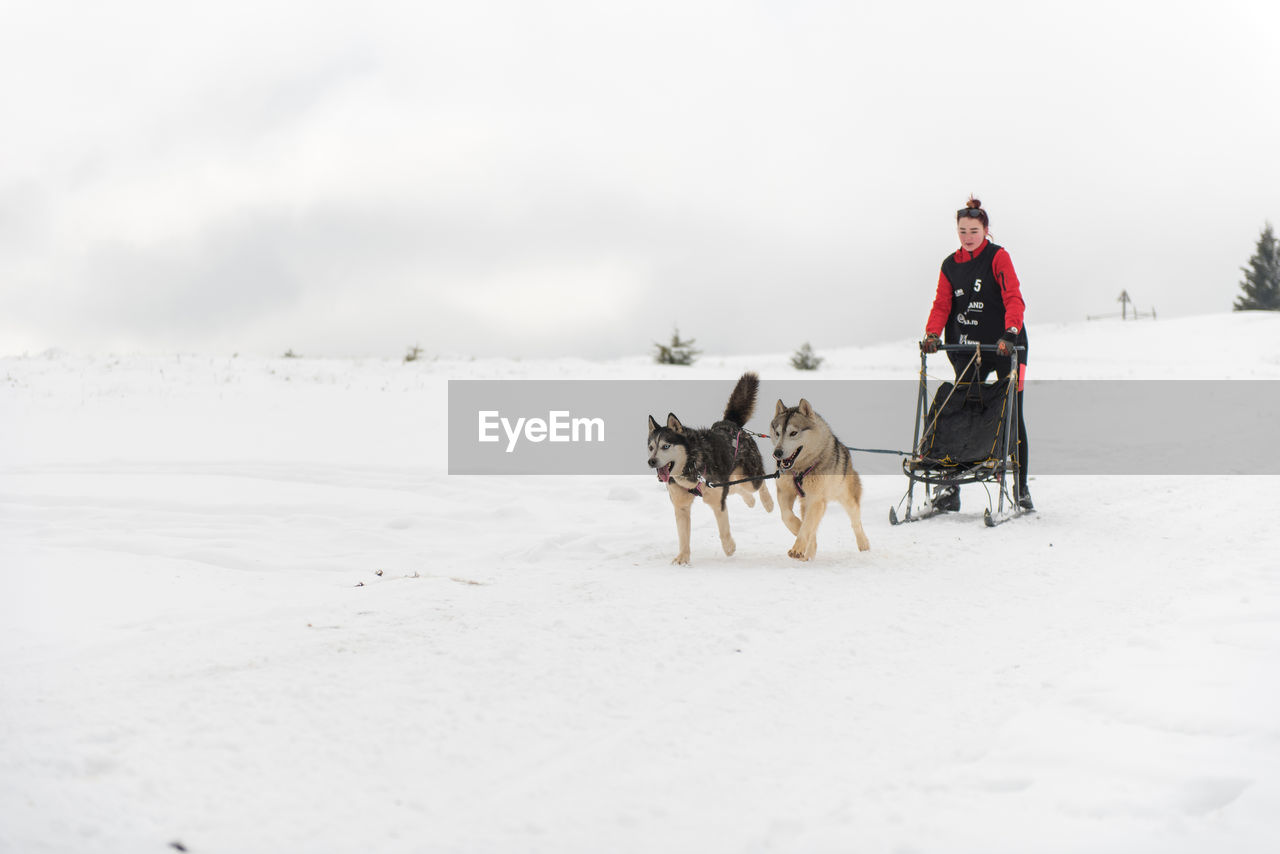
(779, 409)
(673, 423)
(804, 408)
(653, 425)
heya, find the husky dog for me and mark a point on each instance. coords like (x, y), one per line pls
(814, 465)
(688, 458)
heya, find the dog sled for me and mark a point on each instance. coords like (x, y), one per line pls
(967, 434)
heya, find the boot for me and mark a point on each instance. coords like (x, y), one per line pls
(947, 498)
(1024, 500)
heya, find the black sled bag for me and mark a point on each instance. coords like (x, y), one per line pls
(966, 428)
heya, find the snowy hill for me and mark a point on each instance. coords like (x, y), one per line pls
(246, 610)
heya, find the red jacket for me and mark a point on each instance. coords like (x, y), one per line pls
(1010, 290)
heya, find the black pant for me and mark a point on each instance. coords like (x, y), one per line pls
(999, 365)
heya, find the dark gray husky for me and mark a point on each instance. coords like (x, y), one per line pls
(688, 458)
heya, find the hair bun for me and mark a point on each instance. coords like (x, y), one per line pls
(973, 203)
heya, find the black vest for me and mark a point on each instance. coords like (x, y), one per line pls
(977, 305)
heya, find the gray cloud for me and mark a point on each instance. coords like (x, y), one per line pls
(574, 179)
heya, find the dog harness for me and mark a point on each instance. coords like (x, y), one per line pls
(702, 478)
(800, 477)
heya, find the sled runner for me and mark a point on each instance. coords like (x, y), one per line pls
(968, 434)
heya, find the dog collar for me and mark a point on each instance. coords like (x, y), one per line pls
(696, 489)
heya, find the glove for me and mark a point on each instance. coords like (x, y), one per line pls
(1007, 341)
(930, 343)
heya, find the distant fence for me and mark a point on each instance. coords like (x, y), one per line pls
(1127, 310)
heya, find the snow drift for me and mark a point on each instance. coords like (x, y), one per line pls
(246, 610)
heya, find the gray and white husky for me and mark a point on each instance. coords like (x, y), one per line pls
(816, 467)
(688, 458)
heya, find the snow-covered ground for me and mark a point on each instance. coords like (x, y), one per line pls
(245, 609)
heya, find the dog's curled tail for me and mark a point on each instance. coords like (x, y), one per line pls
(743, 400)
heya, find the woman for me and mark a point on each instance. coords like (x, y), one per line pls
(979, 301)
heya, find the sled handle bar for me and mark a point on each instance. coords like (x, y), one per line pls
(969, 348)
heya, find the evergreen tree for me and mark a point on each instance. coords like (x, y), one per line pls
(805, 360)
(1261, 283)
(677, 352)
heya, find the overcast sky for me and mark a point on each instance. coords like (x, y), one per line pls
(576, 178)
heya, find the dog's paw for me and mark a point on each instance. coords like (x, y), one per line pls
(729, 546)
(681, 559)
(797, 553)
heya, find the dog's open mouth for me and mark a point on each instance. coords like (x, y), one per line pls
(664, 473)
(791, 460)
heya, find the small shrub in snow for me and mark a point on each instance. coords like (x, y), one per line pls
(678, 352)
(804, 359)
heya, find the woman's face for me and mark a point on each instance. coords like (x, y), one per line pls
(972, 232)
